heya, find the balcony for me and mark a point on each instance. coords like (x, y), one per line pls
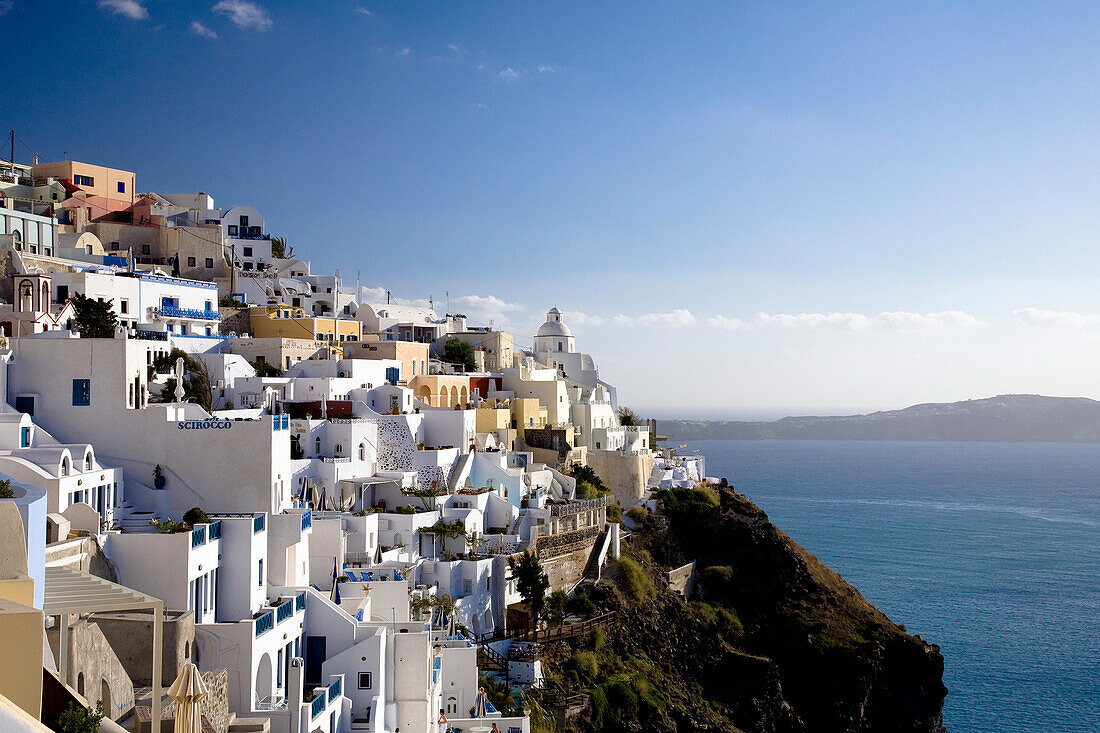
(307, 520)
(300, 601)
(274, 702)
(264, 623)
(284, 611)
(149, 335)
(174, 311)
(198, 536)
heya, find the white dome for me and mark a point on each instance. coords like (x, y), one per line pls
(554, 328)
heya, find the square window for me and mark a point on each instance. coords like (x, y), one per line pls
(82, 392)
(190, 261)
(232, 230)
(145, 249)
(123, 306)
(247, 251)
(121, 187)
(365, 680)
(467, 587)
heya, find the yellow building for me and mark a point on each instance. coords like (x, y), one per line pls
(517, 413)
(493, 350)
(441, 390)
(95, 180)
(284, 321)
(412, 355)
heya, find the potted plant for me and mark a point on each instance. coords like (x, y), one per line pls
(158, 477)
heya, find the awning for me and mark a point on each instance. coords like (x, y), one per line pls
(68, 590)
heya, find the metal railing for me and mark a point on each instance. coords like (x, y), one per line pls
(317, 706)
(307, 520)
(258, 524)
(300, 601)
(336, 689)
(273, 702)
(264, 623)
(284, 611)
(556, 510)
(214, 530)
(174, 311)
(198, 536)
(149, 335)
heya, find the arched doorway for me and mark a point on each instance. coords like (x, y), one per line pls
(80, 684)
(105, 697)
(263, 677)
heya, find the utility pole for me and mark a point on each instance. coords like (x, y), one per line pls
(13, 154)
(232, 269)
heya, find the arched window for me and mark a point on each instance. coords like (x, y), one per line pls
(65, 466)
(559, 346)
(339, 449)
(88, 461)
(317, 445)
(80, 684)
(362, 451)
(26, 296)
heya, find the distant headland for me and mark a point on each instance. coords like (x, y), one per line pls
(1005, 418)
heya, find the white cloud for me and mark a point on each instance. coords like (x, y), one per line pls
(479, 105)
(726, 322)
(886, 321)
(480, 309)
(547, 69)
(201, 30)
(5, 6)
(583, 319)
(403, 51)
(456, 49)
(245, 15)
(1039, 317)
(131, 9)
(510, 74)
(676, 317)
(361, 10)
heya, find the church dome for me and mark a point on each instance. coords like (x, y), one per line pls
(554, 328)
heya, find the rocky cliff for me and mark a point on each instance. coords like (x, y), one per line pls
(776, 642)
(1005, 418)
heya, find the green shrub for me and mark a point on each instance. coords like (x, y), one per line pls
(615, 512)
(80, 720)
(634, 580)
(585, 490)
(407, 509)
(637, 514)
(6, 491)
(586, 664)
(580, 605)
(599, 638)
(707, 493)
(195, 515)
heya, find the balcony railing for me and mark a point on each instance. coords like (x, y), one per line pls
(317, 707)
(300, 601)
(335, 459)
(149, 335)
(307, 520)
(258, 524)
(284, 611)
(214, 530)
(265, 623)
(174, 311)
(335, 689)
(198, 536)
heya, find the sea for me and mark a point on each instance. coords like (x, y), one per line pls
(990, 550)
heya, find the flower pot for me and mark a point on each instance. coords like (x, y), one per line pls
(160, 482)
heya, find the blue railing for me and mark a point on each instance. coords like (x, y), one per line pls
(317, 706)
(150, 336)
(258, 524)
(284, 611)
(214, 530)
(265, 623)
(174, 311)
(307, 520)
(198, 536)
(335, 689)
(300, 601)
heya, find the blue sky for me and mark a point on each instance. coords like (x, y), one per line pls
(806, 207)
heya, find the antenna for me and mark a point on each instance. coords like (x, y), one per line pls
(447, 293)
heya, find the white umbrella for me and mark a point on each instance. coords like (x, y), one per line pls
(481, 703)
(187, 690)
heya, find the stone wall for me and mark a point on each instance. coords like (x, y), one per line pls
(91, 662)
(131, 636)
(626, 475)
(681, 580)
(564, 556)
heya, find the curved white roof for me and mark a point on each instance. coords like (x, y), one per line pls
(554, 328)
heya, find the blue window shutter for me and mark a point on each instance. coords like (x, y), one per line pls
(82, 392)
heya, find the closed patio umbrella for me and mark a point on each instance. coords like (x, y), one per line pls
(187, 690)
(481, 703)
(335, 597)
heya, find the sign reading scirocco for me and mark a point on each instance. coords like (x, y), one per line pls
(210, 424)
